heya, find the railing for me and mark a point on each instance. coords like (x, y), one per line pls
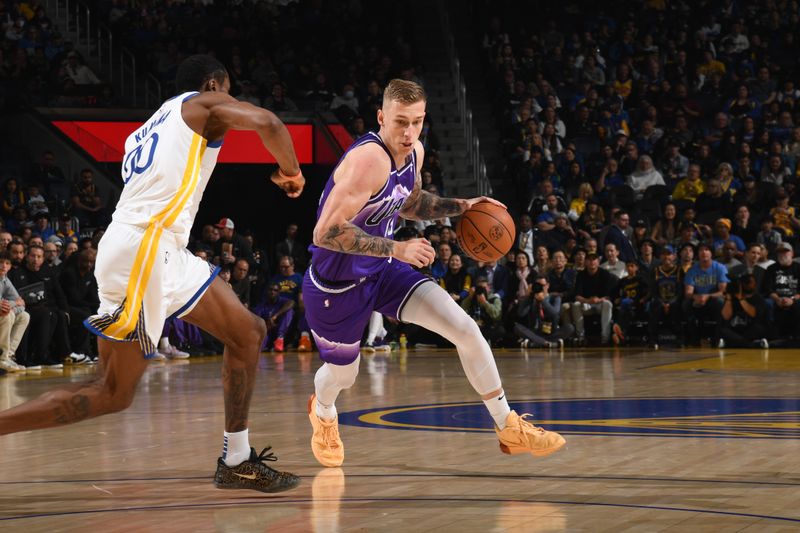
(105, 51)
(152, 92)
(127, 74)
(479, 173)
(78, 15)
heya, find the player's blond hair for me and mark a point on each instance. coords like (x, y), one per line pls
(405, 92)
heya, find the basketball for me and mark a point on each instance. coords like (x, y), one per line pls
(485, 232)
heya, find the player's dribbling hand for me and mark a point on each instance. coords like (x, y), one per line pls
(416, 252)
(292, 186)
(479, 199)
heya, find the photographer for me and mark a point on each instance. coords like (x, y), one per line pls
(485, 308)
(740, 325)
(543, 320)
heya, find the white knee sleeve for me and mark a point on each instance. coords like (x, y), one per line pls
(433, 309)
(331, 379)
(375, 329)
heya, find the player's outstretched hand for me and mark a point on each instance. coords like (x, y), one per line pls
(292, 186)
(415, 252)
(479, 199)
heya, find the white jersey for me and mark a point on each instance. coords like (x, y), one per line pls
(165, 171)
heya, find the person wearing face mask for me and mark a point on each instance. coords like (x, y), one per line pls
(347, 98)
(781, 285)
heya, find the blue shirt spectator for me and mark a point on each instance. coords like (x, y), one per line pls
(706, 280)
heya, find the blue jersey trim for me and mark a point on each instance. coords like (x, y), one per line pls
(190, 96)
(215, 144)
(100, 334)
(196, 295)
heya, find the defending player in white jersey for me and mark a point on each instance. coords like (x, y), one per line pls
(145, 274)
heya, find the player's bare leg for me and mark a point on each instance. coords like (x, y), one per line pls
(220, 313)
(111, 390)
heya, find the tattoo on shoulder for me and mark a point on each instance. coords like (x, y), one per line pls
(350, 239)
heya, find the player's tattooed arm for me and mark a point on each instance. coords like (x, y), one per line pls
(350, 239)
(422, 205)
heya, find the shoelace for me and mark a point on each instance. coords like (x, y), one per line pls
(330, 435)
(522, 421)
(263, 457)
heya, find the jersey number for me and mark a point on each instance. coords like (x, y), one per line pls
(389, 233)
(140, 158)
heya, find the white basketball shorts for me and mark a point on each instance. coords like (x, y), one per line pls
(144, 278)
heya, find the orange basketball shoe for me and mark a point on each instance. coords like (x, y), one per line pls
(326, 444)
(305, 344)
(520, 436)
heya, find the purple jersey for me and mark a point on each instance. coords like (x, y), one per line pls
(378, 217)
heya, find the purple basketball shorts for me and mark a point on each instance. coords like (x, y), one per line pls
(338, 313)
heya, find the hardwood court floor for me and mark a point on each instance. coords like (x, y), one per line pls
(693, 440)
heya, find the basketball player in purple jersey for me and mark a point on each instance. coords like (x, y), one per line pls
(356, 268)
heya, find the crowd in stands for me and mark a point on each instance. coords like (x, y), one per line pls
(653, 149)
(50, 227)
(284, 56)
(327, 70)
(39, 66)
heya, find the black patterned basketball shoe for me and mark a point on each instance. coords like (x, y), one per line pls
(254, 474)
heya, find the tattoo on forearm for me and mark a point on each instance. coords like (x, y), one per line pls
(238, 390)
(350, 239)
(74, 409)
(427, 206)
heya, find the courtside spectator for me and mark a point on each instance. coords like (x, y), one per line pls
(781, 285)
(740, 325)
(278, 312)
(704, 290)
(80, 289)
(13, 318)
(666, 293)
(594, 292)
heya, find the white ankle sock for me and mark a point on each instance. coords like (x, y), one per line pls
(499, 409)
(163, 344)
(235, 447)
(326, 412)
